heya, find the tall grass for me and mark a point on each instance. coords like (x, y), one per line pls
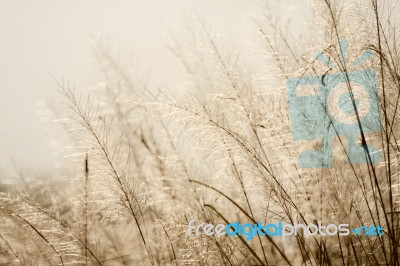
(149, 161)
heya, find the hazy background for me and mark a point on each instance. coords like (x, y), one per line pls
(39, 38)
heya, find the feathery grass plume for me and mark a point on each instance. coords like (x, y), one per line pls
(221, 152)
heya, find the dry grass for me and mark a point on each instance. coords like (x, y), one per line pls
(148, 162)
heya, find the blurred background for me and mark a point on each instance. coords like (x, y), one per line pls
(42, 39)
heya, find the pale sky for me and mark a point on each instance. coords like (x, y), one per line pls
(43, 37)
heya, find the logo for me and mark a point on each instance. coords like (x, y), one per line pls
(335, 104)
(281, 229)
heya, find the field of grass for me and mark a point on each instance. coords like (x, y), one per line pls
(148, 161)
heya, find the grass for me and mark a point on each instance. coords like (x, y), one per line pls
(149, 161)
